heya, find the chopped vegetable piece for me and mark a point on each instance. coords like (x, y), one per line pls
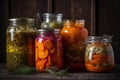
(40, 46)
(43, 54)
(48, 44)
(49, 62)
(42, 64)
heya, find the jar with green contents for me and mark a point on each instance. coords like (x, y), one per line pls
(52, 21)
(20, 37)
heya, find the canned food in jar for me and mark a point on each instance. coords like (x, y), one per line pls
(99, 56)
(20, 37)
(48, 50)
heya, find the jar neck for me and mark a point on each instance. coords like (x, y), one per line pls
(59, 18)
(101, 39)
(47, 17)
(68, 23)
(43, 32)
(21, 22)
(80, 23)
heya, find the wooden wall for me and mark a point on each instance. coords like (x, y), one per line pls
(108, 22)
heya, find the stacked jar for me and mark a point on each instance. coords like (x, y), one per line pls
(74, 35)
(52, 21)
(48, 43)
(20, 37)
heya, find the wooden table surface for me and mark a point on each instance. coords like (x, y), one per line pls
(115, 75)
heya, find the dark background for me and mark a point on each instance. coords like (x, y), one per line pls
(101, 16)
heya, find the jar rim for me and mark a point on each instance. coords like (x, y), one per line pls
(41, 30)
(21, 19)
(99, 38)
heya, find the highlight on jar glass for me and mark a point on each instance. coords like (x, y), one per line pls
(74, 35)
(20, 36)
(48, 50)
(99, 55)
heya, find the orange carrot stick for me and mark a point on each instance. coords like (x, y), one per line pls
(48, 62)
(43, 54)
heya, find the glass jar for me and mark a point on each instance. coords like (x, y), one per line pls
(51, 21)
(99, 55)
(59, 20)
(74, 37)
(48, 49)
(20, 36)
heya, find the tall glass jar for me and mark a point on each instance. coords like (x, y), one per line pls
(99, 56)
(74, 36)
(20, 36)
(48, 49)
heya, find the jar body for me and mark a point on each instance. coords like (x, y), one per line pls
(99, 56)
(20, 37)
(73, 46)
(48, 50)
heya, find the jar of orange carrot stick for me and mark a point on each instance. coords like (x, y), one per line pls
(48, 50)
(99, 55)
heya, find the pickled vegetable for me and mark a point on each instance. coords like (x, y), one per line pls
(18, 49)
(20, 37)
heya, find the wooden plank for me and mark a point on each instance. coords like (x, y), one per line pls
(4, 75)
(3, 25)
(50, 6)
(27, 8)
(108, 15)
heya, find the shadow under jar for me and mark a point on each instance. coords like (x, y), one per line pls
(99, 55)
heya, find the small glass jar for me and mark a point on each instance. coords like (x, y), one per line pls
(48, 49)
(99, 55)
(20, 36)
(59, 20)
(74, 36)
(51, 21)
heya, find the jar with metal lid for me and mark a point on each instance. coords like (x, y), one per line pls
(74, 36)
(51, 21)
(48, 50)
(20, 36)
(99, 55)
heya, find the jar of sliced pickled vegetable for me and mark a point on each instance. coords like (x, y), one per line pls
(48, 50)
(74, 35)
(99, 55)
(20, 37)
